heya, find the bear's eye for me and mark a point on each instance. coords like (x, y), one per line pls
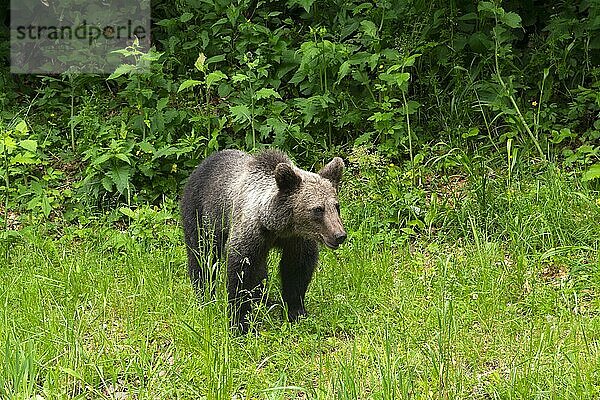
(318, 211)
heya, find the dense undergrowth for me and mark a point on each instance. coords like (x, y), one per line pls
(416, 81)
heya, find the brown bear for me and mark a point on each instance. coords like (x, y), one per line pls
(240, 206)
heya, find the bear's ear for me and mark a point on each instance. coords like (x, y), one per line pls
(287, 179)
(333, 171)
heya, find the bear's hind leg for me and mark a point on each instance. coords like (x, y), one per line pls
(298, 260)
(246, 270)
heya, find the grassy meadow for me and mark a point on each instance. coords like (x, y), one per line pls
(471, 136)
(491, 300)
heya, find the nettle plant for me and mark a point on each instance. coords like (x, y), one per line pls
(144, 150)
(28, 179)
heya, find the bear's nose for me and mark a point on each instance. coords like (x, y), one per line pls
(340, 237)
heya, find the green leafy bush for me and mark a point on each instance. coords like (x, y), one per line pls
(313, 78)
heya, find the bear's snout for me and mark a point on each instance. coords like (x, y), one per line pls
(334, 234)
(340, 237)
(334, 240)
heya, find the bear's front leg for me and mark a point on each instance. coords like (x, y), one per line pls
(298, 260)
(246, 270)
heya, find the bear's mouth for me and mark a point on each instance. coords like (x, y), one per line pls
(331, 245)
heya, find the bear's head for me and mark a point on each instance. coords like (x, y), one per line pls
(315, 210)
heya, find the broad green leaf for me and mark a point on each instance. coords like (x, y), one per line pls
(21, 127)
(411, 107)
(239, 78)
(373, 60)
(120, 177)
(399, 78)
(480, 42)
(301, 136)
(171, 22)
(188, 83)
(410, 60)
(390, 54)
(379, 116)
(146, 147)
(185, 17)
(306, 4)
(46, 206)
(298, 76)
(123, 157)
(343, 71)
(215, 59)
(165, 151)
(362, 8)
(402, 78)
(394, 68)
(102, 159)
(369, 28)
(511, 19)
(219, 22)
(468, 17)
(586, 149)
(559, 136)
(419, 159)
(307, 108)
(501, 33)
(364, 138)
(150, 57)
(265, 93)
(408, 231)
(224, 89)
(592, 173)
(213, 77)
(470, 133)
(9, 144)
(122, 70)
(23, 158)
(33, 203)
(28, 144)
(43, 202)
(240, 113)
(107, 183)
(160, 104)
(279, 127)
(487, 6)
(127, 212)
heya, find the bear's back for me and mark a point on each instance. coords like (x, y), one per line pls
(210, 187)
(231, 181)
(266, 161)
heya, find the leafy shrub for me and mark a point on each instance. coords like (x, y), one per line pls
(313, 78)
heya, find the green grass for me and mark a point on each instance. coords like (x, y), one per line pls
(502, 301)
